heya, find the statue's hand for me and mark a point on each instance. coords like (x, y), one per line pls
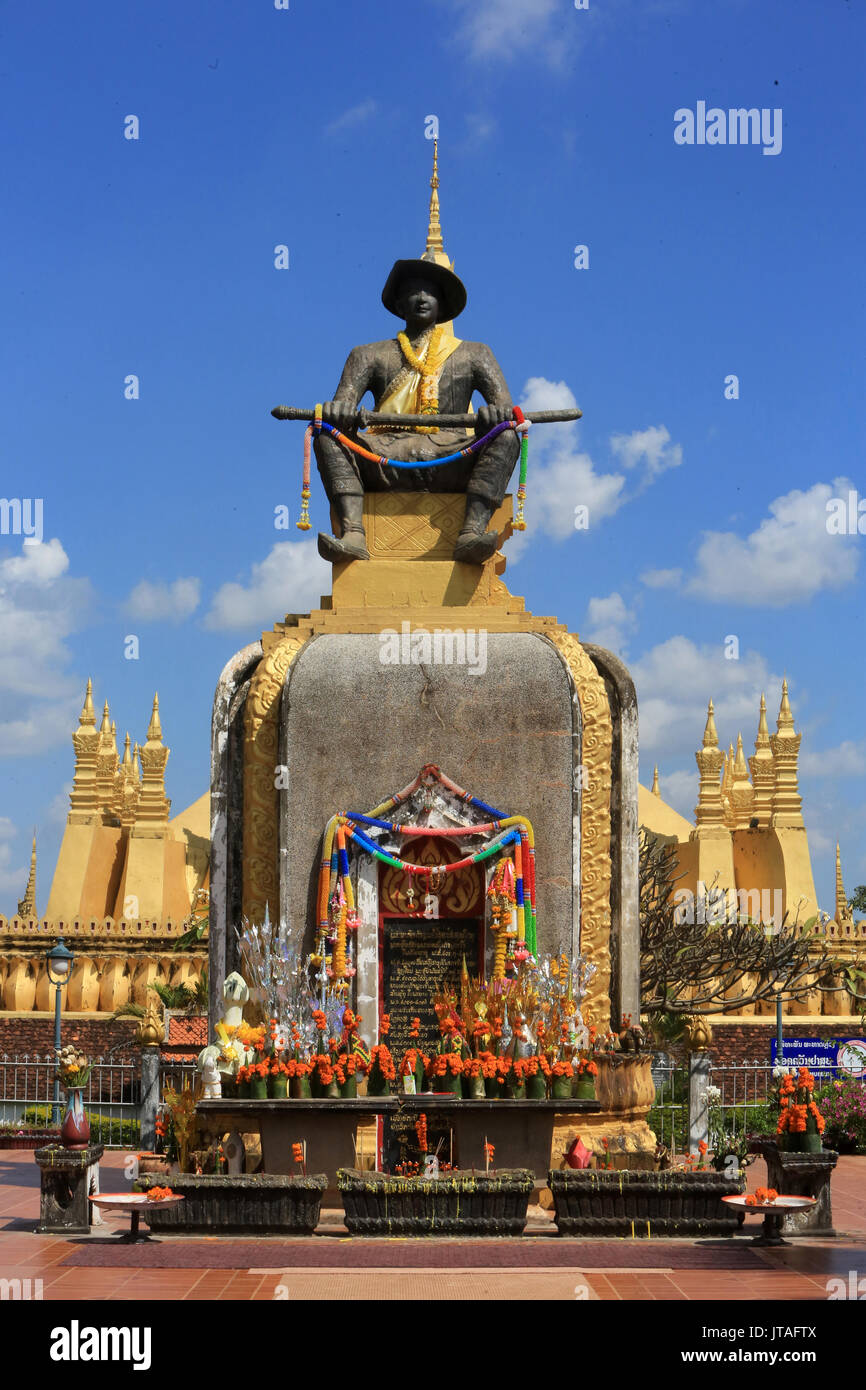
(490, 415)
(341, 414)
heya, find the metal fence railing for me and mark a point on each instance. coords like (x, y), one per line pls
(112, 1096)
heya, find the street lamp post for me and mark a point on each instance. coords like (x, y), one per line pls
(778, 986)
(59, 960)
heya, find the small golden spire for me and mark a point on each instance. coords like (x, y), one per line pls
(763, 738)
(740, 769)
(127, 755)
(785, 743)
(786, 718)
(136, 762)
(709, 812)
(105, 726)
(154, 728)
(763, 770)
(843, 911)
(435, 244)
(655, 786)
(27, 905)
(88, 713)
(711, 737)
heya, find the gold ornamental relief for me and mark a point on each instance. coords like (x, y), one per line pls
(261, 798)
(461, 892)
(595, 862)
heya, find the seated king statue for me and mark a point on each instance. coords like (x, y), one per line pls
(424, 370)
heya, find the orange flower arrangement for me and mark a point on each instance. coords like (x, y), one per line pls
(385, 1026)
(159, 1194)
(279, 1068)
(415, 1030)
(448, 1061)
(762, 1197)
(320, 1020)
(421, 1131)
(489, 1151)
(488, 1065)
(409, 1062)
(561, 1069)
(381, 1055)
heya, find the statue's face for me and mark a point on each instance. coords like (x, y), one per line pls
(419, 302)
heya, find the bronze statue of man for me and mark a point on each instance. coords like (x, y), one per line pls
(425, 370)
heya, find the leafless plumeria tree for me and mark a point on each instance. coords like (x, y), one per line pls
(695, 966)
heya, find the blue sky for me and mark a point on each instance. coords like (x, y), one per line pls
(305, 127)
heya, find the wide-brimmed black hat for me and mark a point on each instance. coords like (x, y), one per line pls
(452, 292)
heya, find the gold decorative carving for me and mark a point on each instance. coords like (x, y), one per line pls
(595, 864)
(429, 529)
(461, 892)
(261, 799)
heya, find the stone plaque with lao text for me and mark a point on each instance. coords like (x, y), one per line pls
(419, 955)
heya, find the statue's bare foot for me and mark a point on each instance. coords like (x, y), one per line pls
(352, 546)
(473, 549)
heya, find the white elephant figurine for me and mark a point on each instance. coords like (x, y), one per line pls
(236, 992)
(206, 1065)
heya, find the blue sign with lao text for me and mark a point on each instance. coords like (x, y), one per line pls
(818, 1054)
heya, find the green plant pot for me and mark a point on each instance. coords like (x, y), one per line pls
(244, 1090)
(475, 1085)
(349, 1088)
(584, 1088)
(536, 1087)
(560, 1088)
(300, 1088)
(259, 1088)
(278, 1087)
(491, 1087)
(516, 1090)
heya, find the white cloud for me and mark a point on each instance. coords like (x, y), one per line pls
(508, 29)
(848, 759)
(609, 623)
(354, 116)
(674, 681)
(651, 447)
(38, 564)
(291, 578)
(678, 787)
(13, 877)
(151, 603)
(661, 579)
(789, 558)
(8, 829)
(563, 477)
(40, 608)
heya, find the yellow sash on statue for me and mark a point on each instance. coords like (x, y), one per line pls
(417, 393)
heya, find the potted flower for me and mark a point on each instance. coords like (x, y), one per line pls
(74, 1068)
(278, 1079)
(536, 1071)
(801, 1123)
(382, 1070)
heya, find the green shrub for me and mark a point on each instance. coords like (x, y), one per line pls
(104, 1129)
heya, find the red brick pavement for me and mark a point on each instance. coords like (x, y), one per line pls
(798, 1272)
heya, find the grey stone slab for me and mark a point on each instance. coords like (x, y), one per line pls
(356, 729)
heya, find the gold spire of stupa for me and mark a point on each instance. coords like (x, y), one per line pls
(27, 905)
(843, 911)
(763, 770)
(435, 248)
(154, 728)
(655, 787)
